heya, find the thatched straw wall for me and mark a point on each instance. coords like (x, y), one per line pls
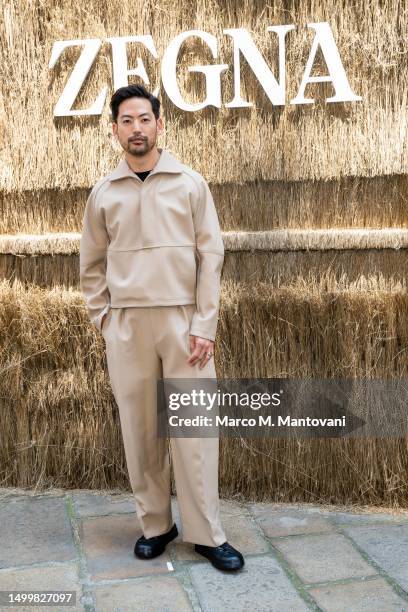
(294, 303)
(317, 141)
(379, 201)
(364, 259)
(60, 425)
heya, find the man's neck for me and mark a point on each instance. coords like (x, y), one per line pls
(145, 163)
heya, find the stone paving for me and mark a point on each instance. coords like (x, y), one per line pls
(298, 557)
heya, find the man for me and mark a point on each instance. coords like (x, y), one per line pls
(150, 263)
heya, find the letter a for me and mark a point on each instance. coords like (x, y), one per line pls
(337, 74)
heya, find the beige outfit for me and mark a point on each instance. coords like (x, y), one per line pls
(155, 242)
(151, 256)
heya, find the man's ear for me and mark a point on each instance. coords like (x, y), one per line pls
(114, 128)
(160, 126)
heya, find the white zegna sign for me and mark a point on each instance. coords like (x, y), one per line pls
(242, 43)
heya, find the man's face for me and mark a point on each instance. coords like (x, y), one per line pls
(136, 127)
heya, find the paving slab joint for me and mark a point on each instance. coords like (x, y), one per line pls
(391, 581)
(184, 579)
(87, 599)
(295, 580)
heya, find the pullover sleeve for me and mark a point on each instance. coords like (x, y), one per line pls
(92, 262)
(210, 253)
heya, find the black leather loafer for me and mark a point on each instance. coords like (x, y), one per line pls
(223, 557)
(149, 548)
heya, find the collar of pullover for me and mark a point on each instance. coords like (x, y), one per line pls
(166, 163)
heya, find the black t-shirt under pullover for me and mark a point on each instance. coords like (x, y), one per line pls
(143, 175)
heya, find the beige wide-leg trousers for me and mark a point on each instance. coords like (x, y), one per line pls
(142, 345)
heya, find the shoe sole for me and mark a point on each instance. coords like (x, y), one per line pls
(161, 550)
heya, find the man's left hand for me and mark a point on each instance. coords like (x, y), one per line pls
(202, 350)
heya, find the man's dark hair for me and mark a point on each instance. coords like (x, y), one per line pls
(131, 91)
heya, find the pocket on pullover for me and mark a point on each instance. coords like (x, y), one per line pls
(151, 275)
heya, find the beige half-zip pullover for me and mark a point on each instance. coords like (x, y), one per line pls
(155, 242)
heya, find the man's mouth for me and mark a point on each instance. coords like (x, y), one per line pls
(138, 140)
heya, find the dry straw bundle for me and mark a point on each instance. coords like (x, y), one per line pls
(60, 425)
(294, 303)
(353, 201)
(325, 259)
